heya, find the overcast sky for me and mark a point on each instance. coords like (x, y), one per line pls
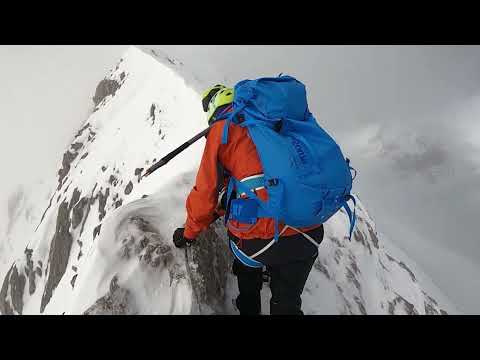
(407, 116)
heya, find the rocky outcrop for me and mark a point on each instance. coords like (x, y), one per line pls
(403, 266)
(116, 302)
(129, 188)
(5, 304)
(102, 202)
(96, 231)
(207, 263)
(138, 173)
(105, 88)
(407, 307)
(59, 253)
(212, 262)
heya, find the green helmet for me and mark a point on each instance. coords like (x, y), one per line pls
(215, 100)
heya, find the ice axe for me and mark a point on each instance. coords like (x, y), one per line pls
(174, 153)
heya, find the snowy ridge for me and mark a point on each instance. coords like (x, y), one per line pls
(101, 243)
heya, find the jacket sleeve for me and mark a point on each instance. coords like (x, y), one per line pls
(202, 201)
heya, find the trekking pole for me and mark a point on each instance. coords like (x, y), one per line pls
(175, 152)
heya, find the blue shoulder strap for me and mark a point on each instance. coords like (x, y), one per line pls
(351, 217)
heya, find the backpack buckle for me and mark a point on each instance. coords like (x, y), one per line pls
(272, 182)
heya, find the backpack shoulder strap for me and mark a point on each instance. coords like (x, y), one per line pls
(351, 216)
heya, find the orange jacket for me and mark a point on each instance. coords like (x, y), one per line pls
(239, 156)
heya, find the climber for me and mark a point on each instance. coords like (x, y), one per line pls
(288, 258)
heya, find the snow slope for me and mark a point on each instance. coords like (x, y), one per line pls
(101, 243)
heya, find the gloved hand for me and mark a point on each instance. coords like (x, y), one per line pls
(181, 241)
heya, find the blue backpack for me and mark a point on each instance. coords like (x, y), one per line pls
(305, 174)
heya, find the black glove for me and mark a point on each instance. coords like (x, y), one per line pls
(181, 241)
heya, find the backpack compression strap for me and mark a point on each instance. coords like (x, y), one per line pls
(351, 216)
(263, 209)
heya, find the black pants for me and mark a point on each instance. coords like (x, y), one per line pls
(288, 271)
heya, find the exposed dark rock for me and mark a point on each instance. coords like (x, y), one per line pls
(72, 282)
(28, 254)
(104, 168)
(351, 278)
(410, 272)
(59, 253)
(322, 268)
(443, 312)
(403, 266)
(96, 231)
(407, 306)
(353, 264)
(31, 282)
(75, 197)
(432, 300)
(90, 202)
(338, 256)
(213, 261)
(17, 287)
(77, 214)
(361, 305)
(112, 180)
(118, 203)
(80, 132)
(80, 254)
(360, 237)
(144, 196)
(383, 266)
(117, 301)
(68, 158)
(76, 146)
(129, 188)
(105, 88)
(102, 202)
(38, 271)
(58, 198)
(152, 113)
(430, 309)
(74, 268)
(5, 307)
(335, 241)
(84, 156)
(373, 236)
(122, 76)
(29, 271)
(138, 173)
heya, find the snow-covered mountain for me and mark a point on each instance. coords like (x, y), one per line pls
(98, 241)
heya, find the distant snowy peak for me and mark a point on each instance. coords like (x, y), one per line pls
(101, 243)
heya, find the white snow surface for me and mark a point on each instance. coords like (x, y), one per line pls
(130, 260)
